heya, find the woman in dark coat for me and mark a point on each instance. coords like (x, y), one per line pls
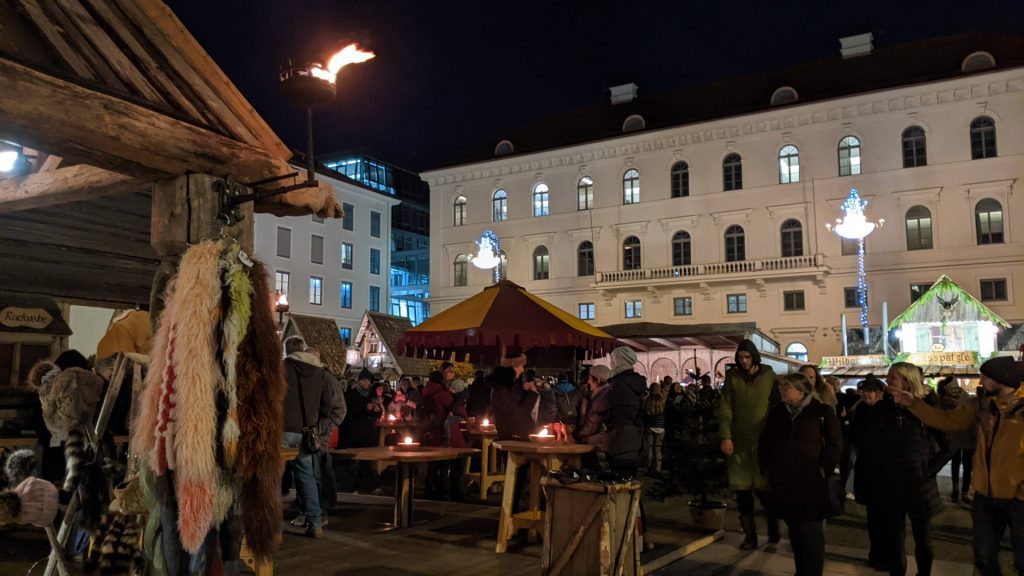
(897, 478)
(799, 448)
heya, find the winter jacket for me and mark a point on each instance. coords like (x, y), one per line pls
(479, 403)
(512, 406)
(998, 463)
(593, 412)
(566, 401)
(746, 401)
(796, 454)
(317, 391)
(359, 430)
(898, 457)
(625, 420)
(437, 401)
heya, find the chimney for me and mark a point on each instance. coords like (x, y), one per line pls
(623, 93)
(859, 45)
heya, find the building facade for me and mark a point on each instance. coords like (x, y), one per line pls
(723, 219)
(410, 256)
(335, 268)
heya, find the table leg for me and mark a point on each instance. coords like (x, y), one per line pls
(485, 469)
(508, 493)
(536, 470)
(404, 473)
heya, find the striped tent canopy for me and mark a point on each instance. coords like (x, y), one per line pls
(946, 302)
(504, 314)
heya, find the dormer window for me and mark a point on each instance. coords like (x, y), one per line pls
(633, 123)
(978, 61)
(504, 147)
(784, 95)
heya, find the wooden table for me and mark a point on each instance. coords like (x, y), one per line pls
(491, 470)
(405, 474)
(265, 568)
(542, 458)
(401, 427)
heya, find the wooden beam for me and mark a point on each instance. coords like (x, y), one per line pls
(117, 135)
(52, 162)
(63, 185)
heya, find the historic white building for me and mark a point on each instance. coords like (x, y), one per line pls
(337, 268)
(709, 206)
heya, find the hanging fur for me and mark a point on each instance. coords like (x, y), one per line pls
(10, 507)
(74, 456)
(238, 294)
(42, 370)
(69, 398)
(261, 390)
(20, 465)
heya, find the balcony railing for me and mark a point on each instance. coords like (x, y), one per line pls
(791, 263)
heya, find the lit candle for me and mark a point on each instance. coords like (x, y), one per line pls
(408, 440)
(543, 431)
(486, 423)
(391, 417)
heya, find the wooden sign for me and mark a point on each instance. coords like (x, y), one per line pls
(943, 358)
(35, 318)
(848, 361)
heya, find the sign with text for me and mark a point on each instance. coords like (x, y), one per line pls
(849, 361)
(35, 318)
(943, 358)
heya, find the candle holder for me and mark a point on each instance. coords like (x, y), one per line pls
(543, 437)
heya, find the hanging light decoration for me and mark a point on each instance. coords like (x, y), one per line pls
(488, 254)
(854, 225)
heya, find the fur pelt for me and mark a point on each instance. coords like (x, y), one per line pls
(20, 465)
(10, 507)
(239, 294)
(74, 456)
(42, 370)
(145, 428)
(69, 399)
(261, 390)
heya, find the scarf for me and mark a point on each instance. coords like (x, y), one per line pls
(795, 411)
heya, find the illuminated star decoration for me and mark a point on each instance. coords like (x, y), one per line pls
(855, 226)
(488, 253)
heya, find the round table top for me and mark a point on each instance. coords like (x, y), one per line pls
(397, 424)
(483, 432)
(397, 454)
(542, 448)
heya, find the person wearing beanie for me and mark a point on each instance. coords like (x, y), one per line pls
(748, 393)
(625, 419)
(798, 449)
(998, 462)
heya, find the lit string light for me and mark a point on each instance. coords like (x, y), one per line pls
(855, 226)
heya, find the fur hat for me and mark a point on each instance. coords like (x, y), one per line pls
(457, 385)
(20, 465)
(602, 373)
(1004, 370)
(513, 355)
(69, 399)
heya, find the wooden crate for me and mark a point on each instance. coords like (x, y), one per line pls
(591, 529)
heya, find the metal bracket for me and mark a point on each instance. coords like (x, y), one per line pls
(233, 194)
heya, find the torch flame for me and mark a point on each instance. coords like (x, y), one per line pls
(350, 54)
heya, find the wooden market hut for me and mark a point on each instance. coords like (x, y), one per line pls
(377, 347)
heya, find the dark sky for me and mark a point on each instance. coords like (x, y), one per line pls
(452, 75)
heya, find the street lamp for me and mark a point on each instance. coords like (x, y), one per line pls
(855, 226)
(281, 307)
(488, 254)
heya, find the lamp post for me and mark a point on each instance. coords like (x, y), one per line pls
(281, 307)
(855, 226)
(488, 254)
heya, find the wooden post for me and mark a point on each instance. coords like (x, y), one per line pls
(185, 212)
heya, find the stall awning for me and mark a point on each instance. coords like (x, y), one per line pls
(653, 336)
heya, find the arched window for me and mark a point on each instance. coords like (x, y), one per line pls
(732, 172)
(789, 165)
(797, 351)
(681, 248)
(792, 238)
(914, 153)
(633, 123)
(460, 271)
(585, 193)
(735, 244)
(585, 259)
(680, 179)
(988, 217)
(459, 211)
(540, 199)
(784, 95)
(631, 186)
(540, 263)
(977, 61)
(499, 206)
(849, 156)
(631, 253)
(919, 228)
(503, 147)
(983, 138)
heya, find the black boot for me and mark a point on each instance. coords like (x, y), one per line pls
(773, 534)
(749, 533)
(955, 496)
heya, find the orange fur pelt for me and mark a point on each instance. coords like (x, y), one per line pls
(261, 390)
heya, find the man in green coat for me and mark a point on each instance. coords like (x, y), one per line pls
(748, 393)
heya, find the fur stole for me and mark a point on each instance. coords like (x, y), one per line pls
(238, 294)
(261, 390)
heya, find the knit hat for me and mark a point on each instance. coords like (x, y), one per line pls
(365, 374)
(38, 502)
(871, 384)
(1004, 370)
(623, 356)
(602, 373)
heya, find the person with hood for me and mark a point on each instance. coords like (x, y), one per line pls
(625, 420)
(566, 399)
(998, 461)
(898, 479)
(748, 393)
(359, 428)
(798, 450)
(307, 404)
(962, 442)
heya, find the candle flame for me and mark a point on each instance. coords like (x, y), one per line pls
(486, 422)
(391, 417)
(350, 54)
(408, 440)
(543, 432)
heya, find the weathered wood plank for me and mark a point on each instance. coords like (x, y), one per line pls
(79, 224)
(52, 162)
(69, 28)
(99, 239)
(56, 40)
(117, 135)
(78, 257)
(185, 212)
(54, 187)
(110, 52)
(68, 282)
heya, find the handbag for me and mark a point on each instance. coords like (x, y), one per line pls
(836, 502)
(310, 434)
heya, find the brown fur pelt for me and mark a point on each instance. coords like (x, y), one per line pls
(40, 371)
(69, 400)
(261, 390)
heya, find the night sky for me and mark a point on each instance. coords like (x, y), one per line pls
(451, 76)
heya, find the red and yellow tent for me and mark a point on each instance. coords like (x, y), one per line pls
(504, 314)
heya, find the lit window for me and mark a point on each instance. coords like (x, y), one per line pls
(849, 156)
(346, 256)
(793, 300)
(681, 248)
(585, 311)
(585, 259)
(914, 152)
(499, 206)
(732, 172)
(281, 281)
(735, 244)
(634, 308)
(680, 178)
(459, 211)
(631, 253)
(983, 138)
(797, 351)
(988, 219)
(919, 228)
(682, 306)
(316, 290)
(540, 263)
(585, 193)
(540, 200)
(792, 238)
(736, 303)
(346, 295)
(631, 186)
(789, 165)
(346, 335)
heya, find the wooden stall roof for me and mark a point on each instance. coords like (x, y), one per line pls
(322, 334)
(390, 329)
(945, 301)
